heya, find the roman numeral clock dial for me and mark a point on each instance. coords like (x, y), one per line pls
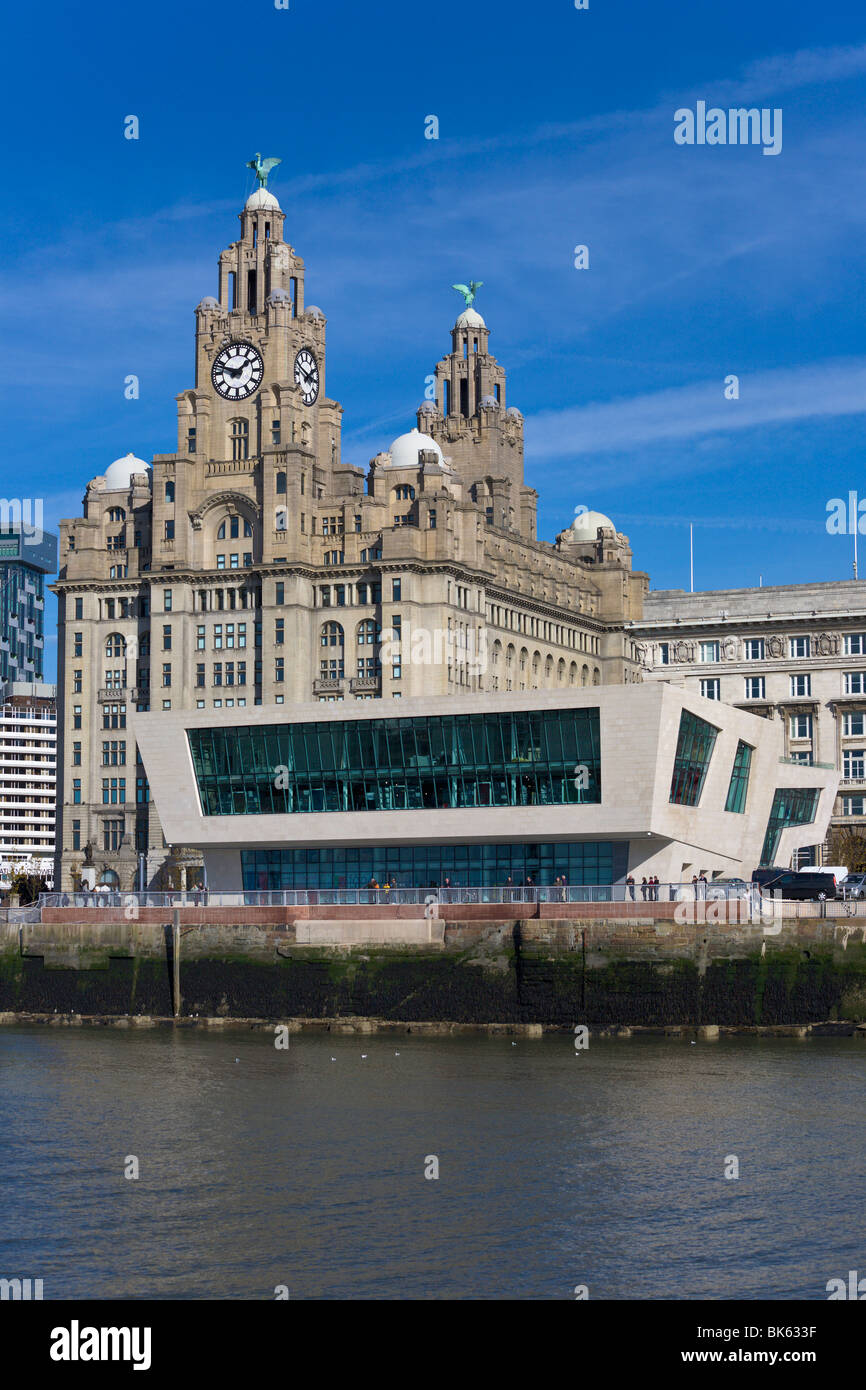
(237, 371)
(307, 375)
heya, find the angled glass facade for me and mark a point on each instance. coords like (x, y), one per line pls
(791, 806)
(429, 866)
(694, 749)
(739, 783)
(548, 757)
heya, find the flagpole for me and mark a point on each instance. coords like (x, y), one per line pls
(692, 557)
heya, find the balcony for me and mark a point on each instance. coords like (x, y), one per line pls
(366, 685)
(118, 693)
(329, 685)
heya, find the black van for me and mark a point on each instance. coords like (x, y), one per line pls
(802, 886)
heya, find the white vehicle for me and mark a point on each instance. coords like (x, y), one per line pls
(839, 870)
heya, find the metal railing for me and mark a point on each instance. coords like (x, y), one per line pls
(632, 895)
(503, 894)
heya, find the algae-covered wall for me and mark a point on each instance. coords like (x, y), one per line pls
(552, 973)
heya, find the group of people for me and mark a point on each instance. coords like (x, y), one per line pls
(649, 888)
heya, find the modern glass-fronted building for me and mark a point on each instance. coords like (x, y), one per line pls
(26, 556)
(586, 785)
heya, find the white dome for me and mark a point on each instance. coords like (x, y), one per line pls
(262, 201)
(405, 450)
(470, 318)
(585, 525)
(119, 474)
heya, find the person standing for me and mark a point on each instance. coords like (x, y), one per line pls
(630, 886)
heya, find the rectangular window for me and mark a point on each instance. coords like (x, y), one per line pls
(166, 600)
(76, 834)
(739, 783)
(79, 608)
(754, 648)
(709, 651)
(76, 755)
(801, 685)
(242, 634)
(166, 637)
(695, 745)
(279, 632)
(432, 518)
(76, 716)
(76, 791)
(169, 530)
(855, 682)
(756, 687)
(200, 637)
(799, 646)
(169, 487)
(166, 673)
(422, 763)
(199, 673)
(76, 686)
(853, 725)
(711, 689)
(218, 637)
(217, 673)
(854, 762)
(280, 593)
(396, 587)
(221, 562)
(854, 644)
(664, 653)
(853, 805)
(279, 669)
(800, 726)
(77, 644)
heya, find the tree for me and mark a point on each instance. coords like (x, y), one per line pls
(27, 886)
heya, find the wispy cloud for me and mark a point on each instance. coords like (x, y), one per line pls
(767, 398)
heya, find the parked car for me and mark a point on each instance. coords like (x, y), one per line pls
(802, 886)
(729, 888)
(765, 877)
(854, 886)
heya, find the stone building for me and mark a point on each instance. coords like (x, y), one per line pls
(253, 565)
(793, 653)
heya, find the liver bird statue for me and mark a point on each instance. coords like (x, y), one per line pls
(262, 167)
(469, 291)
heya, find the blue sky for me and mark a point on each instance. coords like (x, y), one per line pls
(556, 129)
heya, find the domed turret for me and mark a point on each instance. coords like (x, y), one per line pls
(585, 525)
(470, 318)
(262, 200)
(119, 474)
(406, 450)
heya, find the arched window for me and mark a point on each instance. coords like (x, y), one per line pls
(116, 514)
(369, 633)
(524, 658)
(281, 482)
(115, 647)
(230, 529)
(584, 675)
(282, 518)
(239, 434)
(596, 676)
(509, 656)
(548, 670)
(572, 673)
(404, 493)
(332, 664)
(560, 671)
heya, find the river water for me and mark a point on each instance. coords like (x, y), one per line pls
(305, 1167)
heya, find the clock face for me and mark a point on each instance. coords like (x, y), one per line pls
(237, 371)
(307, 375)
